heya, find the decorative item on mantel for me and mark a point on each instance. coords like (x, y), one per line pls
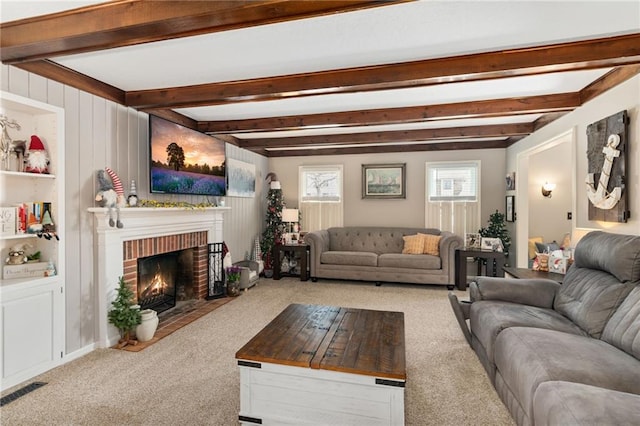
(132, 199)
(108, 196)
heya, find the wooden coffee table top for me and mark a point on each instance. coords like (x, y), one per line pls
(357, 341)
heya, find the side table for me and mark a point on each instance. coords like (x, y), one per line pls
(300, 253)
(523, 273)
(494, 258)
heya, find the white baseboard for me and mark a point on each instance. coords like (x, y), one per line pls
(79, 353)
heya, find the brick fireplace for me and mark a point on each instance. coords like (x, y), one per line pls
(149, 232)
(146, 247)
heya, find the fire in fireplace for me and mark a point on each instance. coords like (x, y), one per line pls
(157, 277)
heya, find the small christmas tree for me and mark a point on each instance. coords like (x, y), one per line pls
(272, 234)
(497, 229)
(124, 315)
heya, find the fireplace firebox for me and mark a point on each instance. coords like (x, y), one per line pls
(158, 278)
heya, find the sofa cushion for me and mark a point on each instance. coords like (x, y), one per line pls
(356, 258)
(413, 244)
(565, 403)
(616, 254)
(623, 329)
(525, 357)
(589, 297)
(372, 239)
(431, 244)
(419, 261)
(489, 318)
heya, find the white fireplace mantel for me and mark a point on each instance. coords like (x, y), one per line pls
(140, 222)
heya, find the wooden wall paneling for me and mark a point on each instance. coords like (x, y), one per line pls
(142, 179)
(121, 161)
(4, 77)
(73, 282)
(18, 81)
(133, 160)
(37, 87)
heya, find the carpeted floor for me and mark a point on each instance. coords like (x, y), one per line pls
(190, 377)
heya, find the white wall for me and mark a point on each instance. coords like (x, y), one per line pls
(396, 212)
(550, 218)
(99, 134)
(625, 96)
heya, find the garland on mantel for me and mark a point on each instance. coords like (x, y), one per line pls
(167, 204)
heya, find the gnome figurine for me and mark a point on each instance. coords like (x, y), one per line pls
(36, 159)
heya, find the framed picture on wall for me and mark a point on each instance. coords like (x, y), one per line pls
(509, 210)
(384, 181)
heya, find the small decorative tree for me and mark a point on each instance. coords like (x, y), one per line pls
(497, 229)
(272, 234)
(123, 315)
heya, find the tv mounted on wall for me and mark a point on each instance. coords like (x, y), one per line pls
(185, 161)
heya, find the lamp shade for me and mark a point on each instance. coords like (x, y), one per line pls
(290, 215)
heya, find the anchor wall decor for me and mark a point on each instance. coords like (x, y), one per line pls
(607, 145)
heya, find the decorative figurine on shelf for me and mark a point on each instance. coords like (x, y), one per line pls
(117, 186)
(36, 159)
(132, 200)
(9, 147)
(107, 197)
(16, 255)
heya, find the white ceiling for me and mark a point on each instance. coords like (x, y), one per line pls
(390, 34)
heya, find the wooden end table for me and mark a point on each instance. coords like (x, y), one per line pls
(524, 273)
(495, 259)
(318, 364)
(301, 254)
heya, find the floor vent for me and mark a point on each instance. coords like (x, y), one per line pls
(20, 392)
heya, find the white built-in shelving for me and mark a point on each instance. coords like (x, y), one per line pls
(32, 320)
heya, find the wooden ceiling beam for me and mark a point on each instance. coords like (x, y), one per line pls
(570, 56)
(473, 109)
(57, 72)
(440, 146)
(392, 136)
(129, 22)
(609, 80)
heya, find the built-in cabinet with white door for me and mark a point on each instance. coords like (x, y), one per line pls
(32, 316)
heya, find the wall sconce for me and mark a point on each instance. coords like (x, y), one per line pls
(547, 188)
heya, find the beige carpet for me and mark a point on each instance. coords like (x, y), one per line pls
(191, 378)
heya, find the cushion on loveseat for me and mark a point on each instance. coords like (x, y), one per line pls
(566, 403)
(418, 261)
(623, 329)
(356, 258)
(525, 357)
(378, 240)
(489, 318)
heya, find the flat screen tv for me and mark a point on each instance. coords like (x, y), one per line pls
(185, 161)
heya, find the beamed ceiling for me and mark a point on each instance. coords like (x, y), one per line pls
(295, 78)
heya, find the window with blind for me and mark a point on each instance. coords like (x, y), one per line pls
(453, 196)
(320, 195)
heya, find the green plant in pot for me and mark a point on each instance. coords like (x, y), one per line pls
(124, 315)
(497, 229)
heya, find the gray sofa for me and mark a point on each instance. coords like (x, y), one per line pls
(564, 354)
(375, 254)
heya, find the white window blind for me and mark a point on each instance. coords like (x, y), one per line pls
(453, 196)
(320, 195)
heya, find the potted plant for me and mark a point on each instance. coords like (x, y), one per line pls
(124, 315)
(497, 229)
(233, 280)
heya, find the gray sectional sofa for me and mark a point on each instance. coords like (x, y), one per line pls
(375, 254)
(564, 354)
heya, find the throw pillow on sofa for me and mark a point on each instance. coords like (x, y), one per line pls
(413, 244)
(431, 244)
